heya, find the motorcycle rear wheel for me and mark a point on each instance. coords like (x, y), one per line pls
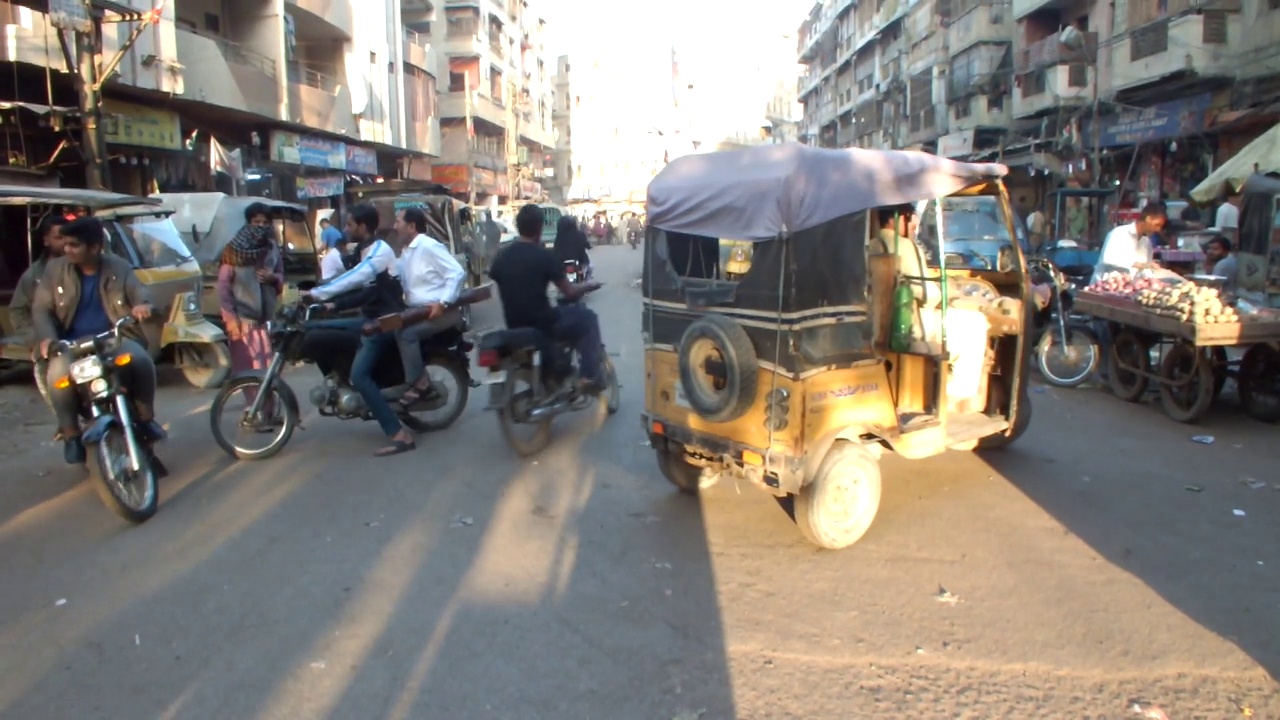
(133, 496)
(459, 402)
(511, 409)
(289, 422)
(1085, 348)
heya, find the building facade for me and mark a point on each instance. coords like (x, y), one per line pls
(559, 173)
(297, 99)
(1142, 95)
(496, 109)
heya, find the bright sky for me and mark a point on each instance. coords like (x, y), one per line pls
(730, 51)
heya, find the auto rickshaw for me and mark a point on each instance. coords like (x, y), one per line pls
(140, 230)
(207, 221)
(786, 376)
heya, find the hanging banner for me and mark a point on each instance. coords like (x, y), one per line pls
(455, 177)
(222, 160)
(141, 126)
(361, 161)
(322, 186)
(1172, 119)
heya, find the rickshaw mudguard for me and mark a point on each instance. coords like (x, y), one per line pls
(200, 332)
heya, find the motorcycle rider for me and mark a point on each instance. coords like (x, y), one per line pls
(376, 269)
(571, 244)
(522, 272)
(432, 278)
(48, 235)
(633, 230)
(85, 292)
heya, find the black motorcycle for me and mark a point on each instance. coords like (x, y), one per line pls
(272, 409)
(633, 238)
(532, 380)
(122, 467)
(1067, 352)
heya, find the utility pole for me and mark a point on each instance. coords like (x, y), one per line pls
(84, 20)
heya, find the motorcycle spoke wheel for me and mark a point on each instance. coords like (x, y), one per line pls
(131, 495)
(242, 436)
(524, 436)
(1068, 365)
(443, 403)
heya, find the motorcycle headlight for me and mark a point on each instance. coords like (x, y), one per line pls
(98, 387)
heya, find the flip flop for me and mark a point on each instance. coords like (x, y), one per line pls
(395, 448)
(412, 396)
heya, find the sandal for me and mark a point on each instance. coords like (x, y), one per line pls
(395, 448)
(412, 396)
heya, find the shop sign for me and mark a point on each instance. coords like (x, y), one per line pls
(957, 144)
(530, 189)
(455, 177)
(490, 183)
(1173, 119)
(308, 150)
(361, 160)
(322, 186)
(141, 126)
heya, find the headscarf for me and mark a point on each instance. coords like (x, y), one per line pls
(248, 246)
(571, 243)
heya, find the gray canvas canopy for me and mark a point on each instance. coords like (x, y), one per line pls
(762, 192)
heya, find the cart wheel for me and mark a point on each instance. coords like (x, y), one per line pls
(1188, 381)
(1259, 383)
(836, 508)
(1129, 350)
(1221, 370)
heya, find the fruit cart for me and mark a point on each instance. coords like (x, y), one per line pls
(1191, 328)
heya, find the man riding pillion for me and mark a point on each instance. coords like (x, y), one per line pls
(432, 278)
(375, 269)
(49, 237)
(85, 293)
(522, 272)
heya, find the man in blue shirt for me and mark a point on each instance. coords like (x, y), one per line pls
(84, 293)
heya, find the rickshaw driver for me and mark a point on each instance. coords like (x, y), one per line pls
(898, 237)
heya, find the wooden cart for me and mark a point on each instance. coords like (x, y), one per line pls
(1192, 364)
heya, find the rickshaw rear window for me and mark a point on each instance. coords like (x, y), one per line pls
(706, 258)
(157, 241)
(974, 231)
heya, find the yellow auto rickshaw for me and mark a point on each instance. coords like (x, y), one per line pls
(797, 372)
(140, 230)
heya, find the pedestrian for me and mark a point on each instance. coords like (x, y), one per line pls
(48, 236)
(250, 282)
(333, 263)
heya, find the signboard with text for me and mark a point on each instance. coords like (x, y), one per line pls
(308, 150)
(361, 161)
(1172, 119)
(322, 186)
(141, 126)
(71, 15)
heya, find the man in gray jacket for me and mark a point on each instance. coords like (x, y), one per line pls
(48, 237)
(84, 293)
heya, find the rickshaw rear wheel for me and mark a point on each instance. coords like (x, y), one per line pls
(205, 365)
(836, 508)
(687, 478)
(718, 339)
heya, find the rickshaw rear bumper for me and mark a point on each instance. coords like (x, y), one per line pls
(779, 473)
(199, 332)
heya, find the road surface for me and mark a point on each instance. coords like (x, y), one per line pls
(1072, 576)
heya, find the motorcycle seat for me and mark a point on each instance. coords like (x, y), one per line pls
(513, 339)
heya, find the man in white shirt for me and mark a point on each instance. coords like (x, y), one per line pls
(432, 278)
(335, 241)
(1128, 247)
(1037, 228)
(1227, 219)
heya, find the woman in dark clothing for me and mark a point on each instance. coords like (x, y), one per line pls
(571, 242)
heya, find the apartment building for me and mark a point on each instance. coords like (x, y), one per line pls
(559, 175)
(294, 98)
(496, 110)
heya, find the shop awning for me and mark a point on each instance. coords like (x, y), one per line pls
(1260, 156)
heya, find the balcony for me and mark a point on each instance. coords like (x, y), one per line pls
(1050, 51)
(980, 111)
(326, 19)
(989, 22)
(925, 126)
(417, 51)
(964, 86)
(463, 37)
(318, 100)
(1023, 8)
(1058, 86)
(220, 72)
(453, 105)
(1200, 44)
(927, 53)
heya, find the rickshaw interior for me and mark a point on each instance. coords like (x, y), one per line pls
(1079, 226)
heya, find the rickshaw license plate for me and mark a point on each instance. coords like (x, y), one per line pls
(86, 369)
(495, 377)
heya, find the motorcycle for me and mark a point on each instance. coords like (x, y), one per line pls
(273, 408)
(633, 237)
(1068, 352)
(122, 468)
(576, 272)
(527, 393)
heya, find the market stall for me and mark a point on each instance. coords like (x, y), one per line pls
(1174, 331)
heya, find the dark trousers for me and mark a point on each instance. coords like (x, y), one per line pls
(138, 378)
(579, 325)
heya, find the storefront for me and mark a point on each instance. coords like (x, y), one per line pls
(311, 169)
(147, 151)
(462, 180)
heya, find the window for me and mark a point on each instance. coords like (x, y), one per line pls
(995, 103)
(1214, 29)
(212, 23)
(420, 94)
(1033, 83)
(964, 108)
(1150, 40)
(457, 82)
(1077, 75)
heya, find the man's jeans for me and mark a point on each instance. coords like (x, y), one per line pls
(138, 377)
(410, 342)
(578, 324)
(371, 349)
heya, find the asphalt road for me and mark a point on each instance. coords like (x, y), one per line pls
(1080, 575)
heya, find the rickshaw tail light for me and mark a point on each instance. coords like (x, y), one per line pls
(122, 359)
(658, 429)
(751, 457)
(62, 383)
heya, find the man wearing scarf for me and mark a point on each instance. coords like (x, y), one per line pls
(250, 281)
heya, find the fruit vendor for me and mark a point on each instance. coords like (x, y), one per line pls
(1128, 247)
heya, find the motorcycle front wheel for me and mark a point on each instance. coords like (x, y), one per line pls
(1069, 365)
(132, 496)
(274, 426)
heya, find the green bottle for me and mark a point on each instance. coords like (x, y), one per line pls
(904, 305)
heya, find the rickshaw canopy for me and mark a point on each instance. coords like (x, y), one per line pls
(763, 192)
(95, 200)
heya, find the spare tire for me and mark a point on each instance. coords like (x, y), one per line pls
(718, 368)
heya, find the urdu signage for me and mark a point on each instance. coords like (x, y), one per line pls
(1166, 120)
